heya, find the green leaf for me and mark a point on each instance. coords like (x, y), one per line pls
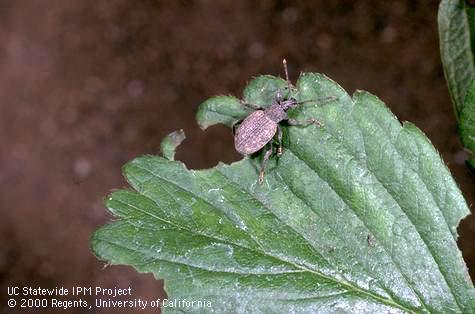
(226, 110)
(467, 123)
(261, 91)
(457, 45)
(358, 216)
(457, 41)
(170, 143)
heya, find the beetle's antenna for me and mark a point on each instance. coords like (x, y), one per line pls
(286, 73)
(320, 100)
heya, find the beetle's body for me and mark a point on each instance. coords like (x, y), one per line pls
(258, 129)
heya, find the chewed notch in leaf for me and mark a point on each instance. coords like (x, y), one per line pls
(358, 216)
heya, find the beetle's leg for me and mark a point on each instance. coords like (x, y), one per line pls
(264, 164)
(279, 140)
(236, 126)
(250, 106)
(304, 124)
(278, 96)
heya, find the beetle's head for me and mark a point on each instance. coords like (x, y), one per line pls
(288, 104)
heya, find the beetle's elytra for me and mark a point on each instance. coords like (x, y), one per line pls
(254, 133)
(261, 126)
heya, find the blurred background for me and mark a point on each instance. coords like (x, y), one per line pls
(87, 85)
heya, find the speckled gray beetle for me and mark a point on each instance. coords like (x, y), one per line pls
(259, 128)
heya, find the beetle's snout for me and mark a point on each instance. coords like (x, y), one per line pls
(292, 103)
(289, 103)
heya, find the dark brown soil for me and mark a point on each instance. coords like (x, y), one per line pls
(87, 85)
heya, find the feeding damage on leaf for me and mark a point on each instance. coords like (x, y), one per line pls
(259, 128)
(358, 216)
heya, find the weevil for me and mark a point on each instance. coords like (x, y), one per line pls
(260, 127)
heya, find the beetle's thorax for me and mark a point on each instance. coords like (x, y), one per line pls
(275, 112)
(278, 110)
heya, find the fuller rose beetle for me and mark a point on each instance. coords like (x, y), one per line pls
(259, 128)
